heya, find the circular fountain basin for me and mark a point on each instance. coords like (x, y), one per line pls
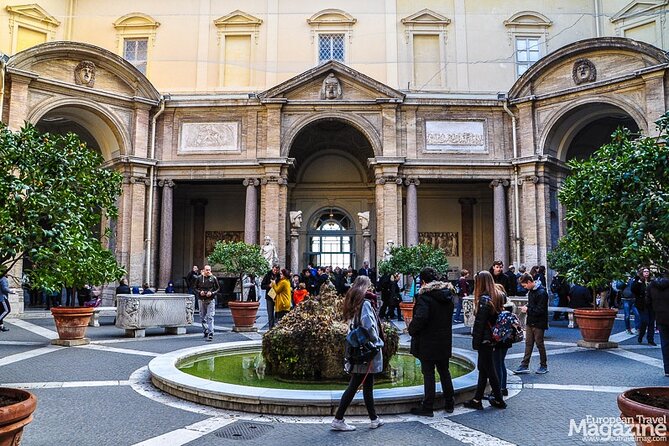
(165, 375)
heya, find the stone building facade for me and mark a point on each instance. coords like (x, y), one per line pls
(397, 131)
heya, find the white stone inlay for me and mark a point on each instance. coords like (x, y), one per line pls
(468, 435)
(467, 136)
(189, 433)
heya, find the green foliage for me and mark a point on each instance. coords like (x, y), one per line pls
(308, 343)
(239, 258)
(54, 192)
(617, 210)
(412, 259)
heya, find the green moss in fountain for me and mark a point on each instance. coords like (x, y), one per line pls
(308, 343)
(248, 369)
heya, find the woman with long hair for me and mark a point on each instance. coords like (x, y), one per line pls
(488, 303)
(359, 312)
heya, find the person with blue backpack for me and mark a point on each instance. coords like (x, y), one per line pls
(502, 346)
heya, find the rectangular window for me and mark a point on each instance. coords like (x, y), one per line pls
(135, 51)
(330, 47)
(426, 61)
(237, 71)
(28, 38)
(527, 52)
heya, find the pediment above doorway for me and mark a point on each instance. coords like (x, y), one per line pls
(332, 82)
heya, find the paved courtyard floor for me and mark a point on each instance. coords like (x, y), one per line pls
(100, 394)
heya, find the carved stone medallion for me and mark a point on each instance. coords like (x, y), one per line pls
(331, 88)
(584, 71)
(84, 73)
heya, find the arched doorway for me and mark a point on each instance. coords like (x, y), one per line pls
(329, 182)
(577, 134)
(580, 131)
(331, 239)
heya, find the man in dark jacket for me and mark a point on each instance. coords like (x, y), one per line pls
(499, 277)
(206, 287)
(647, 315)
(658, 301)
(431, 338)
(266, 284)
(512, 279)
(367, 271)
(536, 324)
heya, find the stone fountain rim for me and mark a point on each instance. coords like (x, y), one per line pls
(166, 376)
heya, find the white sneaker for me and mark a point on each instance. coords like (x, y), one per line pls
(378, 422)
(340, 425)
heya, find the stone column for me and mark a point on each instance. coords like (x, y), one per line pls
(412, 211)
(198, 231)
(388, 222)
(500, 227)
(166, 216)
(467, 216)
(367, 246)
(251, 215)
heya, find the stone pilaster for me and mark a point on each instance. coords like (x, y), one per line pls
(412, 211)
(166, 218)
(133, 227)
(251, 214)
(389, 221)
(366, 246)
(275, 197)
(19, 104)
(655, 97)
(529, 219)
(500, 227)
(467, 216)
(199, 206)
(294, 250)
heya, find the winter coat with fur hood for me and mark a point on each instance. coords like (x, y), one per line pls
(431, 326)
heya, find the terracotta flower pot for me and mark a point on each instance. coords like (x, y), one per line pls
(244, 315)
(407, 312)
(71, 322)
(595, 325)
(15, 416)
(643, 418)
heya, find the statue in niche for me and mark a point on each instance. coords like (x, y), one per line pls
(363, 218)
(269, 251)
(295, 219)
(386, 251)
(331, 88)
(84, 73)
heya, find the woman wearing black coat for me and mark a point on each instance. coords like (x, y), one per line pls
(432, 339)
(487, 305)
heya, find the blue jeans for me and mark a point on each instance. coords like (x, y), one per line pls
(629, 308)
(498, 357)
(647, 323)
(458, 309)
(664, 345)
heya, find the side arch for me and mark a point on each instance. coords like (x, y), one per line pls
(102, 124)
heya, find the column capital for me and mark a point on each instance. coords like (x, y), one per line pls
(137, 180)
(531, 178)
(251, 182)
(282, 181)
(383, 179)
(499, 182)
(199, 202)
(166, 183)
(410, 180)
(467, 201)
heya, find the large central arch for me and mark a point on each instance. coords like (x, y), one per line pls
(330, 175)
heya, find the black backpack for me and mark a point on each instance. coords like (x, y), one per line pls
(359, 347)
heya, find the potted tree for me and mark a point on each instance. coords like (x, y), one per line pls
(57, 193)
(410, 260)
(240, 258)
(617, 204)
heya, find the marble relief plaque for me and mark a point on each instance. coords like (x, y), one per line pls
(467, 136)
(209, 137)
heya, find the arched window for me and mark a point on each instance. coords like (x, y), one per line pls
(331, 239)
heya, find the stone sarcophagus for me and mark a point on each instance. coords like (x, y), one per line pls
(137, 312)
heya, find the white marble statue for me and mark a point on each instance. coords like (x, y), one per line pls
(295, 219)
(386, 251)
(269, 251)
(363, 218)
